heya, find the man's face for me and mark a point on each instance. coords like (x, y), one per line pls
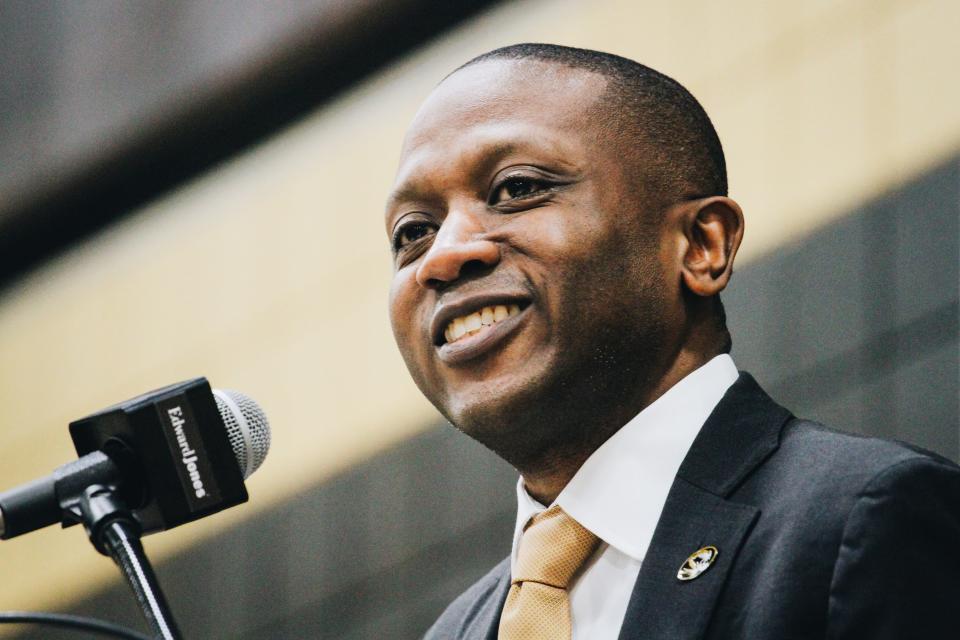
(531, 281)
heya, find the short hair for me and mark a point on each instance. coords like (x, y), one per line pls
(682, 144)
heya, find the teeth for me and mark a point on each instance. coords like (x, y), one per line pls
(474, 322)
(457, 329)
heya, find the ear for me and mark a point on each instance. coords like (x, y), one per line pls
(713, 228)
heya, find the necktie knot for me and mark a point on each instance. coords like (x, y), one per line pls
(553, 547)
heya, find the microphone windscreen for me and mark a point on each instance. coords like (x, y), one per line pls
(247, 428)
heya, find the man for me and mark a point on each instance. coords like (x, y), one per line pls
(561, 234)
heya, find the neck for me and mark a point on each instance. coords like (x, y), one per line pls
(545, 478)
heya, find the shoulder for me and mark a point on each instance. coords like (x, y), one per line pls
(821, 488)
(895, 571)
(855, 537)
(849, 463)
(872, 476)
(877, 484)
(882, 504)
(471, 605)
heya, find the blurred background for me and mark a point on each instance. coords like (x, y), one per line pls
(196, 188)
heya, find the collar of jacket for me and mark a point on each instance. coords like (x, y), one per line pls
(742, 432)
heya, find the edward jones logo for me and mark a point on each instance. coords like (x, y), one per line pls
(188, 457)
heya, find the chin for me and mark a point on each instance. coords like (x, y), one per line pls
(482, 409)
(511, 417)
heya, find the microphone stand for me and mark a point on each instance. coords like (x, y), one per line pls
(114, 532)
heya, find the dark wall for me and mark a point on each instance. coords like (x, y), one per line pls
(104, 106)
(856, 325)
(79, 77)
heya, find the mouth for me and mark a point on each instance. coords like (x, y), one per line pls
(477, 322)
(470, 328)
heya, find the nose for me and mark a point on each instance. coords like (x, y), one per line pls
(458, 246)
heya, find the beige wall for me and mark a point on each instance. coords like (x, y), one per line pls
(269, 274)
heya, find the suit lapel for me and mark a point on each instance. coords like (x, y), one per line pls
(661, 605)
(741, 433)
(486, 618)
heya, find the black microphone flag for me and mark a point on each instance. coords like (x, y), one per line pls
(173, 455)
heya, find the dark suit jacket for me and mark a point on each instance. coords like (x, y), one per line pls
(820, 534)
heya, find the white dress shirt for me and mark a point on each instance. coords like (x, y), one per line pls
(620, 490)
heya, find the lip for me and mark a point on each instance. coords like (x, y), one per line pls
(469, 347)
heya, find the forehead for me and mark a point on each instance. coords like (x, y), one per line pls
(529, 91)
(499, 107)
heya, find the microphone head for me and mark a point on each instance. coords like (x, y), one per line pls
(247, 428)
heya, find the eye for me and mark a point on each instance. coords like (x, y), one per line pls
(516, 188)
(410, 232)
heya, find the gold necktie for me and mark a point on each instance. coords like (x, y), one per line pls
(553, 547)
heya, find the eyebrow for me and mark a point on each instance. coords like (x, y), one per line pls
(488, 154)
(407, 193)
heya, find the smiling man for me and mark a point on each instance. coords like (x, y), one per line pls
(561, 234)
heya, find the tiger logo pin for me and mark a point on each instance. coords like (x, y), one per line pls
(698, 562)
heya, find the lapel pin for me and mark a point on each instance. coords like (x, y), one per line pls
(698, 562)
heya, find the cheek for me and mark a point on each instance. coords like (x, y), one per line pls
(403, 310)
(571, 253)
(559, 239)
(603, 276)
(410, 321)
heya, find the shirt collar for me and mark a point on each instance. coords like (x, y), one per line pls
(619, 492)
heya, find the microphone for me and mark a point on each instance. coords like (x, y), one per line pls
(172, 455)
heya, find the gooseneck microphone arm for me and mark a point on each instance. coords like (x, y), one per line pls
(114, 532)
(123, 544)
